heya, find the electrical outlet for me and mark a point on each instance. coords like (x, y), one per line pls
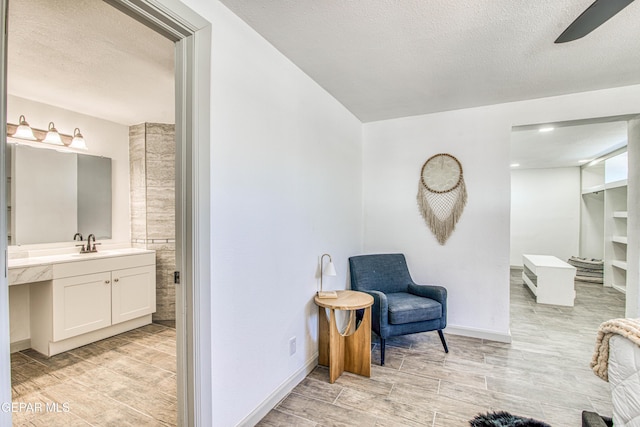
(292, 346)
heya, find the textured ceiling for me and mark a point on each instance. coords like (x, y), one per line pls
(392, 58)
(381, 59)
(86, 56)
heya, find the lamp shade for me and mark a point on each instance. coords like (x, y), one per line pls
(330, 270)
(53, 137)
(24, 131)
(78, 140)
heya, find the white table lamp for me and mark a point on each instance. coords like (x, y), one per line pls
(330, 270)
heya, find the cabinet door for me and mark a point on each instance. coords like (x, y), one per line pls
(133, 293)
(81, 304)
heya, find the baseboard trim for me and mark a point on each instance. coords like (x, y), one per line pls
(478, 333)
(278, 394)
(20, 345)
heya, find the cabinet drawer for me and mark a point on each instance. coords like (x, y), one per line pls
(88, 265)
(81, 304)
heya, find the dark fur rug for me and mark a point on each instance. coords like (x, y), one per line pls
(504, 419)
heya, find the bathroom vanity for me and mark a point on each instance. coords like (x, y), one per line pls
(78, 298)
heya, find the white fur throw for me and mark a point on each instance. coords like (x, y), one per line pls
(628, 328)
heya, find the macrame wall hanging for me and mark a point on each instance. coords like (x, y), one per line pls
(442, 194)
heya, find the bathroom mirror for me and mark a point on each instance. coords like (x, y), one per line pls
(54, 194)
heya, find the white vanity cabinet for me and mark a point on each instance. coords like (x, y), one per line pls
(81, 304)
(133, 293)
(92, 299)
(86, 303)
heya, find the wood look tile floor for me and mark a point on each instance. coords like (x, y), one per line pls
(126, 380)
(543, 373)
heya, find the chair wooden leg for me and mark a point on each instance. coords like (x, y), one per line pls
(382, 351)
(444, 342)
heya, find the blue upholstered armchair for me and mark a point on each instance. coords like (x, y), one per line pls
(400, 306)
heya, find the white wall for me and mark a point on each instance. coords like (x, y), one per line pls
(474, 263)
(19, 320)
(633, 221)
(286, 187)
(545, 213)
(104, 138)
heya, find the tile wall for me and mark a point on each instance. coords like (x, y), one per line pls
(152, 175)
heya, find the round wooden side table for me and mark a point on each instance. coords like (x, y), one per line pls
(349, 350)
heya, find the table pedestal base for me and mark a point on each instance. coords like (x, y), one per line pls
(350, 352)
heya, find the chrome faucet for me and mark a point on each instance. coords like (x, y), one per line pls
(89, 247)
(83, 249)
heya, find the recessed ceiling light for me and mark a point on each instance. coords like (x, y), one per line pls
(515, 165)
(582, 161)
(546, 129)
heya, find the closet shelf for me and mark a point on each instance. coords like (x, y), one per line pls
(594, 189)
(615, 184)
(620, 239)
(605, 214)
(620, 264)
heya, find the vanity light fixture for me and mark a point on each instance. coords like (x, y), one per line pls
(78, 140)
(329, 271)
(53, 137)
(24, 131)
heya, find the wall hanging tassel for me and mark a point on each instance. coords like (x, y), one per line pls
(442, 194)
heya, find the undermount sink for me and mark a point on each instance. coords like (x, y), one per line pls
(106, 253)
(93, 254)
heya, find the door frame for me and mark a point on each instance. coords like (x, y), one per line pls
(192, 36)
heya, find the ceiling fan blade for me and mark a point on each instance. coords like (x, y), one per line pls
(595, 15)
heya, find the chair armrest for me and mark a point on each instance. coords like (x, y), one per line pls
(434, 292)
(380, 305)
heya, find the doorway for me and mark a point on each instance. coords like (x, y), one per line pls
(569, 200)
(192, 37)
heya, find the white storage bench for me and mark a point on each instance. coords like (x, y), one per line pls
(550, 279)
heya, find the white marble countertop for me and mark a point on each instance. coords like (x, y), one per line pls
(39, 260)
